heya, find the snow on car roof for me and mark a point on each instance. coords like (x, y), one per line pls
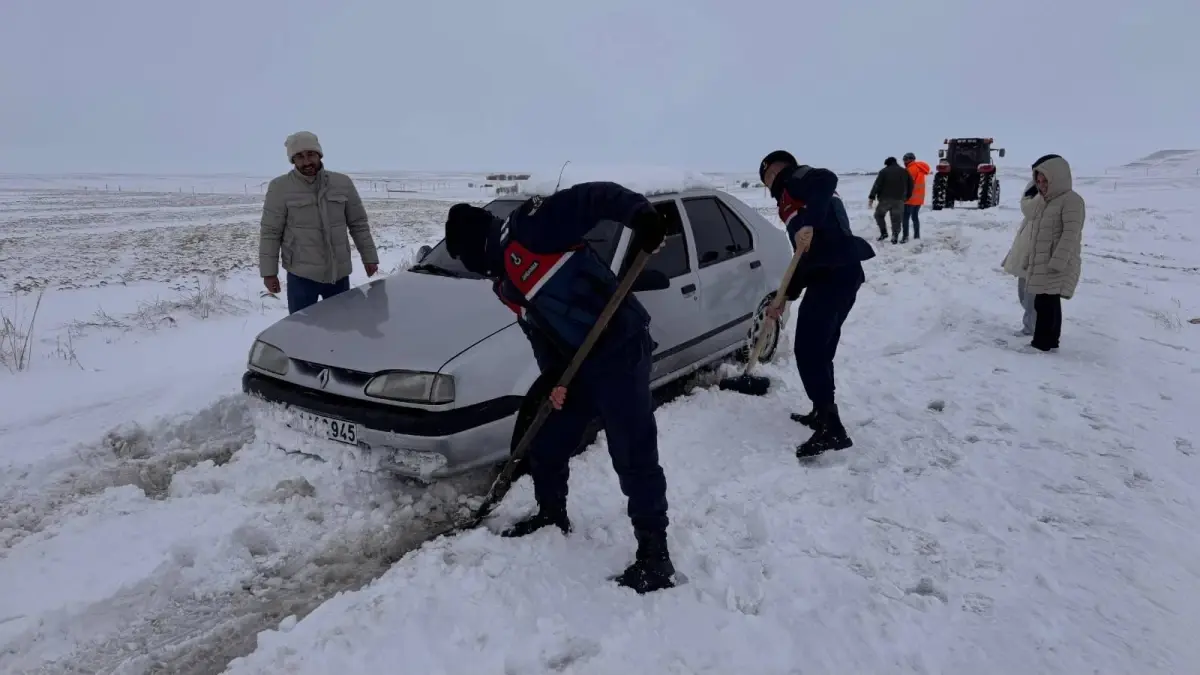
(646, 179)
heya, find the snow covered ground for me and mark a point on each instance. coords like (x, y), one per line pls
(1000, 512)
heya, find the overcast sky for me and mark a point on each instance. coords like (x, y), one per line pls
(160, 86)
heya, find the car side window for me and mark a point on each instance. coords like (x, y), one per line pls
(737, 229)
(714, 242)
(603, 238)
(672, 259)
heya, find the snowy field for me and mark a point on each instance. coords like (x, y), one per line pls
(1001, 511)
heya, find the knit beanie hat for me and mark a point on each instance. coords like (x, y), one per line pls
(301, 141)
(772, 157)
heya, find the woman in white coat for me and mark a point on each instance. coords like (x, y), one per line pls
(1016, 262)
(1053, 263)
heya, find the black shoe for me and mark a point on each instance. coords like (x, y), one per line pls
(904, 239)
(895, 240)
(829, 435)
(543, 518)
(808, 419)
(1044, 348)
(651, 569)
(882, 237)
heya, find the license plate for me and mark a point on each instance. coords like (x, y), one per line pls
(328, 428)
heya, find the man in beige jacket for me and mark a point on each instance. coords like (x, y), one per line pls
(309, 217)
(1053, 263)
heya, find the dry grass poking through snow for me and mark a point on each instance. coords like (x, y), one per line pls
(201, 301)
(16, 337)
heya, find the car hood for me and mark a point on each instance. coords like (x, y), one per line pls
(408, 321)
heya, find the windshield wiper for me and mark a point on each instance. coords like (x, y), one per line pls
(433, 269)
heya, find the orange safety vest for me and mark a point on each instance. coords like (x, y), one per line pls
(918, 171)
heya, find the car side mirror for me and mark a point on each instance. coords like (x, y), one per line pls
(422, 252)
(1001, 152)
(651, 280)
(941, 154)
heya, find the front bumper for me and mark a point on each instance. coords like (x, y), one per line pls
(464, 438)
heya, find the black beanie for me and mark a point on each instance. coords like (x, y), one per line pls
(466, 233)
(889, 161)
(776, 156)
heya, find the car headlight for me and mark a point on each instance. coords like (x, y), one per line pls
(268, 358)
(403, 385)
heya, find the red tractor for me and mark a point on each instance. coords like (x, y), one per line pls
(965, 173)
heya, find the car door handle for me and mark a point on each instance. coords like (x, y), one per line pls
(688, 289)
(755, 264)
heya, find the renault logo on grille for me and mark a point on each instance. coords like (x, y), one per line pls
(323, 377)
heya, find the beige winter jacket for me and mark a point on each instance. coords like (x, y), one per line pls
(1057, 234)
(1016, 262)
(310, 222)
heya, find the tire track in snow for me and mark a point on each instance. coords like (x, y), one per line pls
(126, 455)
(308, 531)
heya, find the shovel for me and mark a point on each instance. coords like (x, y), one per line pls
(758, 385)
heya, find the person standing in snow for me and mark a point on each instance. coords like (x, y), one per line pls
(309, 216)
(1016, 262)
(912, 207)
(892, 187)
(1056, 230)
(830, 274)
(556, 284)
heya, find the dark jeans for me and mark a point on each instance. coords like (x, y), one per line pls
(617, 391)
(819, 319)
(303, 292)
(911, 211)
(1047, 326)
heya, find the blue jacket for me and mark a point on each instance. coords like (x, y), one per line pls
(555, 282)
(807, 197)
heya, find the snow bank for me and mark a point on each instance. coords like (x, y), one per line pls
(646, 179)
(1164, 163)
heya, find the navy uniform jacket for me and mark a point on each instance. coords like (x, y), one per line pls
(807, 197)
(557, 284)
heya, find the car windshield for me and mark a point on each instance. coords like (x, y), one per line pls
(439, 262)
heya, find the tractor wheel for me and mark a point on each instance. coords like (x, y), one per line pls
(989, 191)
(939, 192)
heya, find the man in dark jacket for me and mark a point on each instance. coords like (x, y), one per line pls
(830, 273)
(893, 186)
(544, 271)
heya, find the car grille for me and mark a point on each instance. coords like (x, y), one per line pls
(351, 378)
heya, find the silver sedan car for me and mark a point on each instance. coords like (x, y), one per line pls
(426, 374)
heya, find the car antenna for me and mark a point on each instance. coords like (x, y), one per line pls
(560, 174)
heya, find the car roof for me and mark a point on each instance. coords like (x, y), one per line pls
(688, 192)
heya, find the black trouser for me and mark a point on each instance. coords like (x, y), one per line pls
(617, 390)
(894, 209)
(819, 319)
(1047, 326)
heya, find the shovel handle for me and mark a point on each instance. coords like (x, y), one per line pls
(778, 301)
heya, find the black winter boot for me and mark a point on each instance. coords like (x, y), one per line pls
(829, 435)
(651, 569)
(808, 419)
(556, 516)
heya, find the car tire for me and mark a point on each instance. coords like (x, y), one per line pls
(743, 355)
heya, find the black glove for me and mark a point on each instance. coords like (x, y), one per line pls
(649, 228)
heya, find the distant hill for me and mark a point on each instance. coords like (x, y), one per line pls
(1162, 163)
